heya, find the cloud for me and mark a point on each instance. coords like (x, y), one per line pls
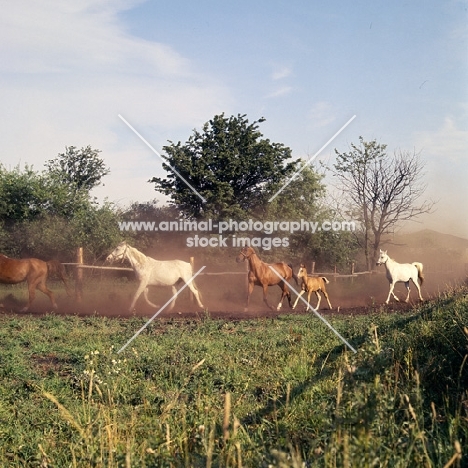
(449, 141)
(321, 114)
(69, 68)
(281, 73)
(279, 92)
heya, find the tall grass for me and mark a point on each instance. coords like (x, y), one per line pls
(270, 392)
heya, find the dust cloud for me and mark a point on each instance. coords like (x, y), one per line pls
(223, 284)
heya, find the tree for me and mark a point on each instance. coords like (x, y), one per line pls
(27, 194)
(43, 216)
(305, 199)
(229, 164)
(81, 169)
(381, 191)
(152, 212)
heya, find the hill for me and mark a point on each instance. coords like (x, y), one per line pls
(427, 239)
(441, 253)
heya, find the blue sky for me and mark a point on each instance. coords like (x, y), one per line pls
(69, 68)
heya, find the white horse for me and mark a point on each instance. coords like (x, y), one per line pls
(401, 273)
(151, 272)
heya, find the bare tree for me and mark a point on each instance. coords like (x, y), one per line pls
(381, 191)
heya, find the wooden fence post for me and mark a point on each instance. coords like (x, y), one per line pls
(192, 265)
(247, 269)
(313, 268)
(79, 276)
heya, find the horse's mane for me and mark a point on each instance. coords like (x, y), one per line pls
(140, 257)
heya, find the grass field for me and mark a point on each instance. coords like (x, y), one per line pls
(266, 392)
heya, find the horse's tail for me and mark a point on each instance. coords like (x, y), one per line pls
(419, 267)
(325, 279)
(296, 279)
(54, 267)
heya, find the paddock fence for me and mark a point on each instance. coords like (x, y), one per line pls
(79, 266)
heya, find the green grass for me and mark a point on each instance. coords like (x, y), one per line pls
(269, 392)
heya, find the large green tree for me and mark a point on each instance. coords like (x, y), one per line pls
(44, 216)
(305, 199)
(26, 194)
(229, 164)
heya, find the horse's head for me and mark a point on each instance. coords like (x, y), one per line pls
(118, 253)
(302, 273)
(383, 257)
(246, 252)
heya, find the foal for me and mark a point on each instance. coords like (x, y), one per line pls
(312, 284)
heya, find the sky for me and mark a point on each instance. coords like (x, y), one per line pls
(70, 68)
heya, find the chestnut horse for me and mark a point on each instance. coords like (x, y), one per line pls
(260, 274)
(35, 272)
(312, 284)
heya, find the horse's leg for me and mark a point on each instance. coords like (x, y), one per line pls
(43, 288)
(284, 292)
(249, 292)
(309, 293)
(265, 290)
(395, 296)
(327, 298)
(140, 289)
(297, 299)
(145, 295)
(288, 295)
(409, 290)
(32, 295)
(392, 285)
(319, 297)
(288, 292)
(418, 288)
(174, 297)
(196, 294)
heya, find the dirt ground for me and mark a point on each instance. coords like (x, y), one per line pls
(224, 297)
